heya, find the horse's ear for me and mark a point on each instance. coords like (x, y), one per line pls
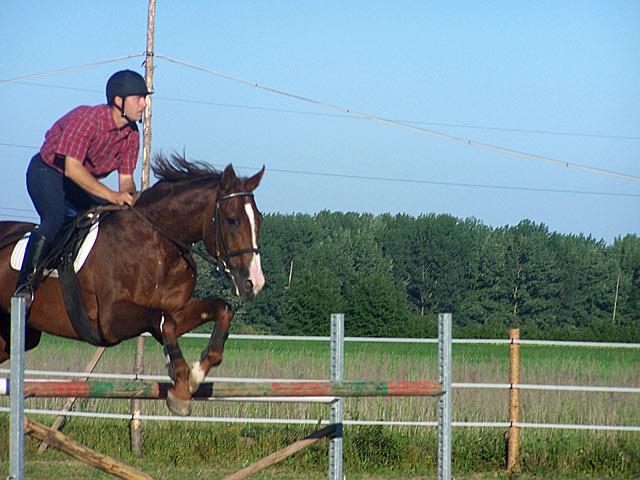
(229, 179)
(252, 183)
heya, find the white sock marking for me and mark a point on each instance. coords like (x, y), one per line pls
(196, 376)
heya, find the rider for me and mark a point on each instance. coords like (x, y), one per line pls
(83, 146)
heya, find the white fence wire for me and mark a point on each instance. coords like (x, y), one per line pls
(42, 375)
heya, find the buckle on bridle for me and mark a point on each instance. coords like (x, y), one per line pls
(218, 230)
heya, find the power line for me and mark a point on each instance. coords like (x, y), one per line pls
(18, 213)
(420, 131)
(18, 209)
(62, 87)
(347, 111)
(405, 180)
(433, 182)
(15, 218)
(336, 115)
(524, 130)
(19, 217)
(17, 145)
(69, 69)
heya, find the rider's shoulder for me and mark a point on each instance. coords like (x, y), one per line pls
(86, 114)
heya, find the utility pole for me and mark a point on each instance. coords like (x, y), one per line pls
(148, 76)
(136, 433)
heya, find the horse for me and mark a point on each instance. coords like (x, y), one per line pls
(140, 273)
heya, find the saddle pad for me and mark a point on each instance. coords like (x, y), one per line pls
(19, 250)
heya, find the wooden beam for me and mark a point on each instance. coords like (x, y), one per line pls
(282, 454)
(80, 452)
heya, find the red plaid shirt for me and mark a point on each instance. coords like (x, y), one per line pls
(90, 135)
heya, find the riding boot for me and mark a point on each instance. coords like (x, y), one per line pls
(32, 267)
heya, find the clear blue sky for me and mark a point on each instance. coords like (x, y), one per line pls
(486, 67)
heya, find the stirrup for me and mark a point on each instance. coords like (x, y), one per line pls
(26, 292)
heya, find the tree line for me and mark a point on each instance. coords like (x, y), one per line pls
(392, 274)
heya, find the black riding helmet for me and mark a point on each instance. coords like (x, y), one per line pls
(125, 83)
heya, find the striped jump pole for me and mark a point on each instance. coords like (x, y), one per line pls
(154, 390)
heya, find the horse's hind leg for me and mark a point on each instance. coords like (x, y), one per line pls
(178, 397)
(212, 354)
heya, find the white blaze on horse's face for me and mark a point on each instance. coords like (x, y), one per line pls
(255, 269)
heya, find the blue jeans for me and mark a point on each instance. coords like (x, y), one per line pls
(55, 197)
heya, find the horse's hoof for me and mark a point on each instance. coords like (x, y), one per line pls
(177, 405)
(196, 376)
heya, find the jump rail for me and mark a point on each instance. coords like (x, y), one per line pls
(19, 389)
(155, 390)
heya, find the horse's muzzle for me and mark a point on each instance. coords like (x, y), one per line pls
(249, 288)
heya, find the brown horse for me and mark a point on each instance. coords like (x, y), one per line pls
(140, 274)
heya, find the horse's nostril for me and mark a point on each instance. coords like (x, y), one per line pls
(248, 285)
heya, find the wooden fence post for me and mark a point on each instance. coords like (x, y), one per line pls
(513, 436)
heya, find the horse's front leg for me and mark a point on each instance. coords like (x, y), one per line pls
(179, 396)
(212, 354)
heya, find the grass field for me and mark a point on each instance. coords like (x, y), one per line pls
(370, 451)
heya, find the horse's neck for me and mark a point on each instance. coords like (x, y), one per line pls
(180, 213)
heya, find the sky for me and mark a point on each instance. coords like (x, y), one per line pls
(559, 80)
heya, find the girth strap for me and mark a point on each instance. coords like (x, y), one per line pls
(75, 307)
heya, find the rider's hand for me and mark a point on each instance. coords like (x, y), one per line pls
(121, 198)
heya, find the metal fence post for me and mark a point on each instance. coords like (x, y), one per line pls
(337, 408)
(16, 389)
(445, 400)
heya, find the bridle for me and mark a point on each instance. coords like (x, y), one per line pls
(224, 254)
(218, 238)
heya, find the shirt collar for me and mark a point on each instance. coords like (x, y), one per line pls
(110, 122)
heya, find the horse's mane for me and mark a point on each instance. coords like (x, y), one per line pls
(177, 168)
(175, 173)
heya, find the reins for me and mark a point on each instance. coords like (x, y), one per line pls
(90, 215)
(218, 259)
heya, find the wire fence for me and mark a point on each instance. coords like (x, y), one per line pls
(52, 375)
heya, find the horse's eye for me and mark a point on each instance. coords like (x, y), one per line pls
(232, 221)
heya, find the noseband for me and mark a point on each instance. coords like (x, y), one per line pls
(224, 254)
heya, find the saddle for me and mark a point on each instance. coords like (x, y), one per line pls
(68, 252)
(75, 240)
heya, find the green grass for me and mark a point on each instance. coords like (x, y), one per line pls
(370, 452)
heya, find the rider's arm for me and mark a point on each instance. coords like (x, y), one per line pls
(75, 171)
(126, 183)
